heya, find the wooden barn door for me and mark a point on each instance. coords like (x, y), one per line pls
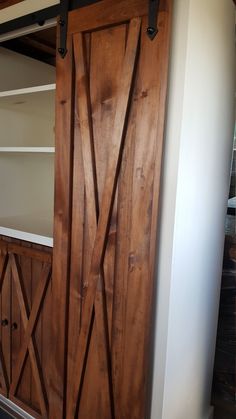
(111, 89)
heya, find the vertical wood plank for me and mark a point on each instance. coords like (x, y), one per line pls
(6, 315)
(62, 231)
(100, 321)
(105, 73)
(36, 277)
(77, 248)
(25, 384)
(135, 262)
(46, 319)
(15, 318)
(5, 344)
(123, 262)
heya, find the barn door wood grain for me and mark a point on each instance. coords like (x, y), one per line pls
(111, 90)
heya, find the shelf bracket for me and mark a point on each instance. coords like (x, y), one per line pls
(63, 23)
(152, 29)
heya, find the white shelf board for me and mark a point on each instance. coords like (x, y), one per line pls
(29, 237)
(27, 149)
(29, 103)
(32, 228)
(28, 90)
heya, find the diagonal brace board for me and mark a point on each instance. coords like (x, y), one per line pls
(106, 204)
(86, 131)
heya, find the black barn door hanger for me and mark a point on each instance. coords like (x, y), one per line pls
(62, 9)
(152, 29)
(63, 22)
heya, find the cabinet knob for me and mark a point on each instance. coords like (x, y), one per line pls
(4, 322)
(14, 326)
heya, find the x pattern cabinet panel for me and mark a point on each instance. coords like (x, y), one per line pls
(25, 324)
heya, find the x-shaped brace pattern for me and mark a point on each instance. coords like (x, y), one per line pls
(99, 229)
(29, 320)
(92, 205)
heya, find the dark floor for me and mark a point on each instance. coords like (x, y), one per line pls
(4, 415)
(225, 411)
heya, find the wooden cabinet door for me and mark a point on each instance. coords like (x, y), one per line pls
(5, 320)
(25, 273)
(111, 90)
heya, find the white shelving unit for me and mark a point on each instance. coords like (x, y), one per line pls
(26, 148)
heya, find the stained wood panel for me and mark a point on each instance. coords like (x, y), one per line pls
(27, 268)
(5, 347)
(111, 90)
(24, 390)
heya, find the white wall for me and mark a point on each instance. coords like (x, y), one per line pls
(195, 186)
(18, 71)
